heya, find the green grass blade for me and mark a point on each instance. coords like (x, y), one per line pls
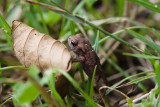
(142, 56)
(92, 83)
(6, 30)
(157, 71)
(143, 39)
(147, 4)
(121, 6)
(72, 28)
(143, 78)
(1, 105)
(5, 24)
(79, 6)
(12, 67)
(156, 33)
(96, 42)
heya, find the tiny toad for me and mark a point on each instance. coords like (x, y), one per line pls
(87, 57)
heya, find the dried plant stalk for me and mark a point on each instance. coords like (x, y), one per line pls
(33, 47)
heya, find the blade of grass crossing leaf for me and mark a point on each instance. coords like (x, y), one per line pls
(147, 4)
(76, 85)
(143, 39)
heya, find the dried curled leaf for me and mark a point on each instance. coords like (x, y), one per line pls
(33, 47)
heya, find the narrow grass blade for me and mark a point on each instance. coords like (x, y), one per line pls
(121, 6)
(5, 24)
(143, 39)
(92, 82)
(157, 71)
(149, 76)
(142, 56)
(6, 30)
(72, 28)
(1, 105)
(12, 67)
(96, 42)
(147, 4)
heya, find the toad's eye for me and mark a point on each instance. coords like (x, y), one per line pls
(73, 43)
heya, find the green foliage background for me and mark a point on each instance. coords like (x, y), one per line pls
(101, 21)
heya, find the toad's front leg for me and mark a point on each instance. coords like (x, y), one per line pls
(78, 59)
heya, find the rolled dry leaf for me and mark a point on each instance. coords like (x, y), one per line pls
(33, 47)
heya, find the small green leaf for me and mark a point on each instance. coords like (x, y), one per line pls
(25, 93)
